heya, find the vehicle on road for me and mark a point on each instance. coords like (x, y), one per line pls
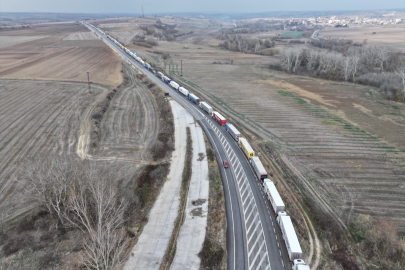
(273, 196)
(194, 98)
(174, 85)
(258, 168)
(166, 79)
(246, 148)
(299, 265)
(232, 131)
(225, 163)
(290, 237)
(219, 118)
(184, 91)
(206, 107)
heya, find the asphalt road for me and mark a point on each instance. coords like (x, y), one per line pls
(253, 237)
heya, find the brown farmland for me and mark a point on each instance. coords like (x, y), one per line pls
(36, 118)
(53, 58)
(382, 35)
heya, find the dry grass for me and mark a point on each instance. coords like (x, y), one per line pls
(213, 253)
(388, 35)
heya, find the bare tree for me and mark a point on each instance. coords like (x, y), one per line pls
(401, 73)
(83, 195)
(347, 67)
(312, 59)
(95, 209)
(296, 56)
(383, 53)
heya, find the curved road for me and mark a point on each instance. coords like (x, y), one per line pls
(253, 238)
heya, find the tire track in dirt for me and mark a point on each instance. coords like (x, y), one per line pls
(128, 127)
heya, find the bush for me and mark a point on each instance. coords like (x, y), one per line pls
(211, 254)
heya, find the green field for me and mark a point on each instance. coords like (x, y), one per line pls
(292, 34)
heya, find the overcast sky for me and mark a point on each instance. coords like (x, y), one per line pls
(199, 6)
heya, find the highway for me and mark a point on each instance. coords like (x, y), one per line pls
(253, 237)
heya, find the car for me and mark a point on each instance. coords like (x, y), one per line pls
(225, 163)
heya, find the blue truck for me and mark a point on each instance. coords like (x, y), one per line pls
(194, 98)
(166, 79)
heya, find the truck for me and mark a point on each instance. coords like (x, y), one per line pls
(184, 91)
(142, 62)
(174, 85)
(273, 196)
(246, 148)
(299, 265)
(219, 118)
(166, 79)
(206, 107)
(194, 98)
(258, 168)
(232, 131)
(160, 74)
(290, 238)
(147, 66)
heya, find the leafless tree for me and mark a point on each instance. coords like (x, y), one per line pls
(312, 59)
(95, 209)
(347, 67)
(401, 73)
(383, 53)
(83, 195)
(297, 52)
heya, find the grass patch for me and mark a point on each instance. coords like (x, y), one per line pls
(291, 95)
(292, 34)
(326, 122)
(213, 251)
(186, 177)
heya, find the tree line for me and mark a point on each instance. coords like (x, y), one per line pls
(370, 65)
(238, 43)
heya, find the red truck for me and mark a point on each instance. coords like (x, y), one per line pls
(219, 118)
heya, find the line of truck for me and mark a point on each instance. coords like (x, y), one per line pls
(284, 221)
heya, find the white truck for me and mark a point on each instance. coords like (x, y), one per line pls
(206, 107)
(290, 237)
(174, 85)
(258, 168)
(273, 196)
(233, 131)
(300, 265)
(160, 74)
(184, 91)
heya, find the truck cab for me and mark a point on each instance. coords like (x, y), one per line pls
(299, 264)
(281, 213)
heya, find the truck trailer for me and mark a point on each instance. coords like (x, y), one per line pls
(273, 196)
(174, 85)
(184, 91)
(219, 118)
(232, 131)
(166, 79)
(194, 98)
(290, 237)
(246, 148)
(206, 107)
(160, 74)
(258, 168)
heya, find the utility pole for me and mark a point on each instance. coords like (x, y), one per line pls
(88, 80)
(181, 68)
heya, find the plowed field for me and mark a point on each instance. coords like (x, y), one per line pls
(53, 58)
(38, 117)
